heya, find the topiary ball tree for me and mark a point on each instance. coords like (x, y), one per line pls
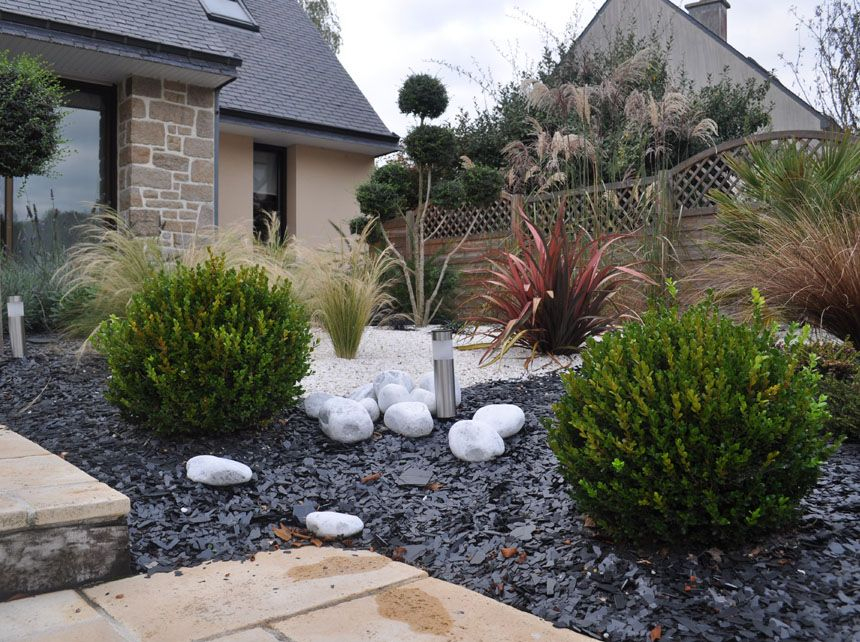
(31, 101)
(424, 96)
(432, 146)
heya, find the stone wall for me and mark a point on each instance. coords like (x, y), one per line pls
(166, 148)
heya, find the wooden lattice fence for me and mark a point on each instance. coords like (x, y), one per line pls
(677, 198)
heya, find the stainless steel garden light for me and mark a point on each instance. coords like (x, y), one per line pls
(15, 309)
(443, 373)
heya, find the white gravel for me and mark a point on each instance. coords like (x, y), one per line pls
(409, 350)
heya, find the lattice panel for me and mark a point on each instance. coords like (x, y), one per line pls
(456, 223)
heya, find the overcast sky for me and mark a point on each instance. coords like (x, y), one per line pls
(386, 40)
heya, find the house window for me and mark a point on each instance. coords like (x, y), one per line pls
(45, 210)
(269, 189)
(232, 12)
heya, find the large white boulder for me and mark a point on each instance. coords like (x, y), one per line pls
(314, 403)
(426, 397)
(392, 376)
(391, 394)
(475, 441)
(506, 418)
(363, 392)
(428, 382)
(217, 471)
(371, 407)
(410, 419)
(345, 421)
(330, 524)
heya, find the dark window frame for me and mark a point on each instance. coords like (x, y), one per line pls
(214, 16)
(108, 94)
(281, 154)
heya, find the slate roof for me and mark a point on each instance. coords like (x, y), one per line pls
(287, 72)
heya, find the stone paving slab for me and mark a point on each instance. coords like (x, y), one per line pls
(307, 595)
(218, 598)
(424, 611)
(48, 491)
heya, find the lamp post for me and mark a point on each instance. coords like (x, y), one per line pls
(15, 309)
(443, 373)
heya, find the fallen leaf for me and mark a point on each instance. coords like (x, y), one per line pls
(434, 486)
(656, 633)
(119, 596)
(522, 558)
(754, 552)
(398, 553)
(371, 478)
(687, 588)
(567, 542)
(589, 523)
(283, 532)
(508, 553)
(316, 542)
(716, 555)
(252, 558)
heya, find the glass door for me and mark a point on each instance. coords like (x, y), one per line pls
(269, 190)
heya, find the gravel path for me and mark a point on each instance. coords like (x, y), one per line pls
(384, 348)
(798, 585)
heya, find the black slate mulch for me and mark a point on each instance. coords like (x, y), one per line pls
(800, 585)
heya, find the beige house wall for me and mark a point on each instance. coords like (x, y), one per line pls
(696, 52)
(321, 188)
(236, 183)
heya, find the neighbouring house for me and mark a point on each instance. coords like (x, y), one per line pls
(700, 49)
(185, 114)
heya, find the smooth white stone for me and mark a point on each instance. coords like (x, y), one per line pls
(392, 376)
(426, 397)
(345, 421)
(391, 394)
(506, 418)
(314, 403)
(474, 441)
(217, 471)
(363, 392)
(332, 524)
(371, 407)
(410, 419)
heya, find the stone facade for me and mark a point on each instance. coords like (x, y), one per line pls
(166, 150)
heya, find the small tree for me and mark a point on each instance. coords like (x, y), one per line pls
(835, 31)
(432, 150)
(322, 14)
(31, 100)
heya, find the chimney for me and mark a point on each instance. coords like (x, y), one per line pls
(713, 14)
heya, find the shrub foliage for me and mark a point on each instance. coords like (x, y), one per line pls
(206, 350)
(839, 365)
(690, 428)
(424, 96)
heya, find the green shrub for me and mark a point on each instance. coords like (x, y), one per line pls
(424, 96)
(432, 145)
(689, 428)
(206, 350)
(839, 366)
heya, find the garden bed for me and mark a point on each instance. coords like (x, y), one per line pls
(450, 517)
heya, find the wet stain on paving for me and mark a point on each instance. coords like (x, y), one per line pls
(342, 565)
(420, 610)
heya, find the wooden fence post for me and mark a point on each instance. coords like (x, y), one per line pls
(517, 206)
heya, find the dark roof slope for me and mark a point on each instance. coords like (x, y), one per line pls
(175, 23)
(289, 72)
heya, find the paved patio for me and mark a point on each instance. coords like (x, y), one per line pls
(306, 595)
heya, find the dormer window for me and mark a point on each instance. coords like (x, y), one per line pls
(231, 12)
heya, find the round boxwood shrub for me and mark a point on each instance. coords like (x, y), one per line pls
(424, 96)
(432, 145)
(207, 350)
(689, 428)
(839, 365)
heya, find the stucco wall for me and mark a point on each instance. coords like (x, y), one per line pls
(321, 188)
(235, 182)
(696, 52)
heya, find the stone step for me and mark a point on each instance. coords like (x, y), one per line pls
(59, 527)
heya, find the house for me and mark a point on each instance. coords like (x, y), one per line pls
(185, 114)
(700, 49)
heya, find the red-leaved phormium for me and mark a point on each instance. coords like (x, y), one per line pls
(551, 292)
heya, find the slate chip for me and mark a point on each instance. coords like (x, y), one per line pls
(799, 585)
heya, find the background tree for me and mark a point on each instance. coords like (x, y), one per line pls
(324, 16)
(431, 173)
(834, 60)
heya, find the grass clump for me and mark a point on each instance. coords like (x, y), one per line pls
(689, 428)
